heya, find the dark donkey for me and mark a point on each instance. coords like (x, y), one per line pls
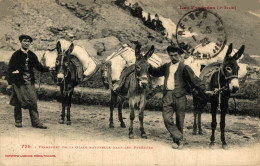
(66, 78)
(134, 89)
(223, 81)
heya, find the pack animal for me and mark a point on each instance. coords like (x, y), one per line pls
(69, 73)
(223, 81)
(134, 89)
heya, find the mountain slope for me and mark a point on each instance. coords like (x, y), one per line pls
(49, 20)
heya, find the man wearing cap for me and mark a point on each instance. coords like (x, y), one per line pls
(21, 80)
(178, 77)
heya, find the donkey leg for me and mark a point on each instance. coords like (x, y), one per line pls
(113, 101)
(61, 121)
(141, 118)
(222, 126)
(120, 106)
(199, 123)
(68, 116)
(213, 123)
(195, 113)
(63, 103)
(132, 117)
(68, 107)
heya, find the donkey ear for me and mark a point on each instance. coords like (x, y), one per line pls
(69, 51)
(239, 52)
(138, 51)
(149, 53)
(58, 47)
(229, 50)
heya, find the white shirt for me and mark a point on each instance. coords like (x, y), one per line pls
(25, 51)
(170, 85)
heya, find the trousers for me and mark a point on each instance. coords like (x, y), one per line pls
(34, 115)
(173, 104)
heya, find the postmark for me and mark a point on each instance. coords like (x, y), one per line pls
(202, 33)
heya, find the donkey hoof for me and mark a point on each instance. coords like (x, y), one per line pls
(143, 135)
(211, 145)
(123, 125)
(194, 132)
(225, 146)
(200, 132)
(131, 136)
(111, 125)
(68, 123)
(61, 121)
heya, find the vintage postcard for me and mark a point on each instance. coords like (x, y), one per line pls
(129, 82)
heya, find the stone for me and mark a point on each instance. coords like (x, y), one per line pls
(70, 6)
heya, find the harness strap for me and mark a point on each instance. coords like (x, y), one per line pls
(219, 95)
(232, 76)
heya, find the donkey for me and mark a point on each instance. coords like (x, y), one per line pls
(66, 78)
(134, 89)
(223, 81)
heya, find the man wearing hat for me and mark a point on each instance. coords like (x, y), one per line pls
(178, 77)
(21, 79)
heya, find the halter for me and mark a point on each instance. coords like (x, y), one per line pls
(138, 78)
(65, 75)
(229, 77)
(219, 91)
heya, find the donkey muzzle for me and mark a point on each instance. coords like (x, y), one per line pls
(60, 77)
(234, 85)
(143, 82)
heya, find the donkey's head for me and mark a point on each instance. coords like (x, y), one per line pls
(230, 68)
(141, 65)
(62, 62)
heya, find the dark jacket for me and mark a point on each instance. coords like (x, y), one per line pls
(184, 77)
(17, 62)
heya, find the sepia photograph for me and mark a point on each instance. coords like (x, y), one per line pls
(129, 82)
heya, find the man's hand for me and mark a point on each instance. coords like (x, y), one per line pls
(15, 72)
(209, 93)
(8, 88)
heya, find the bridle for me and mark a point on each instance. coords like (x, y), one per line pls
(219, 90)
(227, 77)
(138, 78)
(65, 74)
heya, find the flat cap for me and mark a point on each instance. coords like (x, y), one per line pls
(21, 37)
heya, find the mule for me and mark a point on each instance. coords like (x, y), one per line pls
(134, 89)
(223, 81)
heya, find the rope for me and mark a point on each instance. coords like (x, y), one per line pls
(235, 105)
(119, 51)
(81, 92)
(39, 83)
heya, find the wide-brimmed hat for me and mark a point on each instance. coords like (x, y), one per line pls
(21, 37)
